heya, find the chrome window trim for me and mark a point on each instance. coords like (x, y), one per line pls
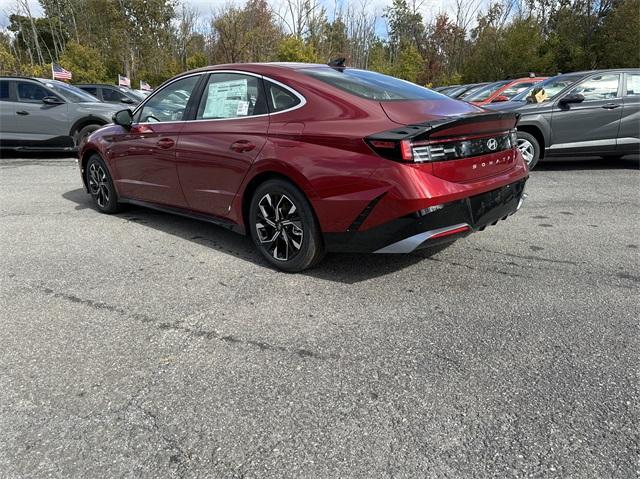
(303, 100)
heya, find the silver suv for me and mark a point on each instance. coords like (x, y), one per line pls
(40, 114)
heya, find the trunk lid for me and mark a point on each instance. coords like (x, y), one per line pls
(459, 149)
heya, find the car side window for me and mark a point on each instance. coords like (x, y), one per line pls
(600, 87)
(30, 92)
(91, 90)
(633, 84)
(110, 94)
(231, 95)
(279, 99)
(170, 103)
(4, 91)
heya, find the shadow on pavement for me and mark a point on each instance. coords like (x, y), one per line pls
(343, 268)
(630, 162)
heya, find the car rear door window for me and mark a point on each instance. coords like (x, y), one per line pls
(279, 98)
(633, 84)
(4, 91)
(600, 87)
(231, 95)
(31, 92)
(170, 103)
(90, 89)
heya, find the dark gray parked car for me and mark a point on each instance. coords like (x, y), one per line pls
(113, 93)
(591, 113)
(42, 114)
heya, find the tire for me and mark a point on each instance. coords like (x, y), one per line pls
(529, 147)
(84, 132)
(100, 186)
(284, 228)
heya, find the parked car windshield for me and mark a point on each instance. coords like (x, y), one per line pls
(371, 85)
(131, 92)
(551, 86)
(471, 91)
(487, 91)
(70, 92)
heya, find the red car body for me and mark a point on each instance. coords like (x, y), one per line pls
(352, 157)
(503, 91)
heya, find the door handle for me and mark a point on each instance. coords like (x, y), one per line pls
(610, 106)
(22, 112)
(166, 143)
(242, 146)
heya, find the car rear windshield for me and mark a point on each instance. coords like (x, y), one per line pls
(487, 91)
(371, 85)
(70, 92)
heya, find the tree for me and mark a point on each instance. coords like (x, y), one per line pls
(292, 49)
(84, 63)
(410, 63)
(617, 41)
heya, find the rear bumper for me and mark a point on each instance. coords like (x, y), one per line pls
(433, 226)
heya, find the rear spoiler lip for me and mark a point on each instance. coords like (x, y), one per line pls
(412, 131)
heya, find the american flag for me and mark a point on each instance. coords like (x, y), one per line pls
(60, 73)
(145, 86)
(123, 81)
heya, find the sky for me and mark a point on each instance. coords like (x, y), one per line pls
(204, 8)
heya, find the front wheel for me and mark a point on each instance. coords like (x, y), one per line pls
(529, 147)
(100, 186)
(283, 226)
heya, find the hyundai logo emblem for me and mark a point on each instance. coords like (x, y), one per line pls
(492, 144)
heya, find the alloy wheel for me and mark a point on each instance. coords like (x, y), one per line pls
(527, 150)
(279, 226)
(98, 184)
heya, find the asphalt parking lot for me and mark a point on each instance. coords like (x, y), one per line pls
(148, 345)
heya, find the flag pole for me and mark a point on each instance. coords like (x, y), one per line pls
(53, 77)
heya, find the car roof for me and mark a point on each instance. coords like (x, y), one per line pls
(100, 84)
(17, 77)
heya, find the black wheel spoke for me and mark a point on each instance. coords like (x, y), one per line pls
(278, 226)
(99, 184)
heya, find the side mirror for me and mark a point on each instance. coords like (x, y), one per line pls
(52, 100)
(123, 118)
(572, 98)
(500, 98)
(126, 100)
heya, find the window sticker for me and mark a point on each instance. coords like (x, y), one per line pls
(243, 108)
(227, 99)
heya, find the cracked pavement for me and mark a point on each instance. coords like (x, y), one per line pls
(148, 345)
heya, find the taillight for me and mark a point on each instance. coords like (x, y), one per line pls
(424, 151)
(513, 135)
(399, 150)
(443, 139)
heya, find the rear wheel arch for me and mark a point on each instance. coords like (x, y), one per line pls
(255, 182)
(537, 134)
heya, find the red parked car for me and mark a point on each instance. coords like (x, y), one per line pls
(310, 158)
(503, 90)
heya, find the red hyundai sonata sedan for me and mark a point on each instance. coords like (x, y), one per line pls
(310, 158)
